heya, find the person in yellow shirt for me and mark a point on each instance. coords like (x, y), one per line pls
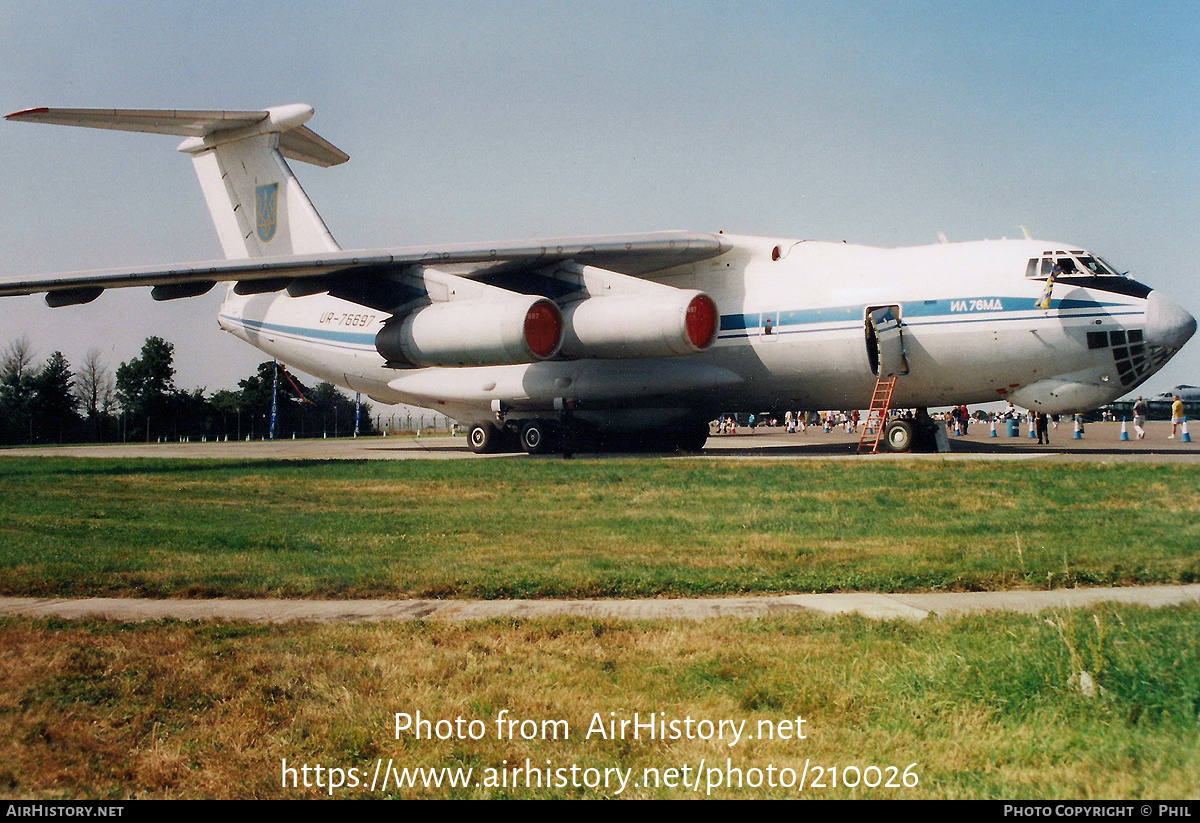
(1176, 416)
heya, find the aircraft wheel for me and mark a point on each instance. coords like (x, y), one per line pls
(535, 437)
(899, 436)
(483, 439)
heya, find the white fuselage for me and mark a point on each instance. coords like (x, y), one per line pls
(793, 335)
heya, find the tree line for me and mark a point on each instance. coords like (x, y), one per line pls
(139, 402)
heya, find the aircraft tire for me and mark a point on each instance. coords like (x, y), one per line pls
(483, 439)
(899, 436)
(535, 437)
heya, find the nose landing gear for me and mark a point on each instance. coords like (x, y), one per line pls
(900, 436)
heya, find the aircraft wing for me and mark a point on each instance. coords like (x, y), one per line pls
(632, 254)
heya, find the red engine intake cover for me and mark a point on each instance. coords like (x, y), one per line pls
(543, 329)
(701, 321)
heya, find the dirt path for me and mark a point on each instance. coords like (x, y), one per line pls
(881, 606)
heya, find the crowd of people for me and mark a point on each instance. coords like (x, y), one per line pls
(957, 419)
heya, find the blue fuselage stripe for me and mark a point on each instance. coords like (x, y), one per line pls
(834, 318)
(926, 308)
(352, 339)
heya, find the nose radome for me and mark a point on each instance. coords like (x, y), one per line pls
(1167, 325)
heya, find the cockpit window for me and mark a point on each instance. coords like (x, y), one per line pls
(1097, 266)
(1079, 269)
(1073, 264)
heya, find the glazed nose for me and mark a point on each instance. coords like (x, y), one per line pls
(1167, 325)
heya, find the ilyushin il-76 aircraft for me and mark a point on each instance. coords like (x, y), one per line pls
(623, 336)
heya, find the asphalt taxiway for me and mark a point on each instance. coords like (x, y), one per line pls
(1100, 442)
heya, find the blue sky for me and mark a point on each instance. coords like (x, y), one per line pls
(879, 123)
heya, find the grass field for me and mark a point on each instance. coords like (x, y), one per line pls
(553, 528)
(1101, 703)
(979, 707)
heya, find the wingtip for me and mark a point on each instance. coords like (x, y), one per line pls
(25, 113)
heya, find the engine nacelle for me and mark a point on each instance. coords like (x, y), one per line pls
(520, 329)
(640, 325)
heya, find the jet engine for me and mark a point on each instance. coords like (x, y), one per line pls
(520, 329)
(666, 323)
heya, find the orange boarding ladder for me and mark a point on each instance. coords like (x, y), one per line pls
(876, 420)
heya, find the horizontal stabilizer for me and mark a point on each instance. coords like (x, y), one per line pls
(296, 141)
(153, 121)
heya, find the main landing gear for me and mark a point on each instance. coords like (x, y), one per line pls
(530, 436)
(484, 438)
(542, 436)
(537, 436)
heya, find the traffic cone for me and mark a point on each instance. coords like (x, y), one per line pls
(1124, 430)
(1187, 438)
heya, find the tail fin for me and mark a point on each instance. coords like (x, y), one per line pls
(256, 202)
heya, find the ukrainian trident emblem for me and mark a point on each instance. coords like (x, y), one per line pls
(267, 208)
